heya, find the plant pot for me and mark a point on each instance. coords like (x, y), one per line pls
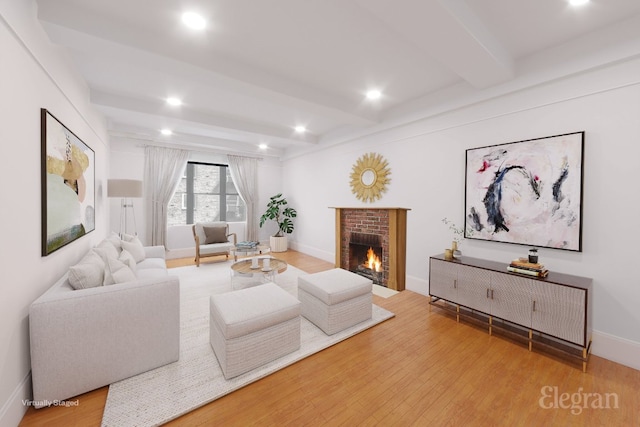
(278, 244)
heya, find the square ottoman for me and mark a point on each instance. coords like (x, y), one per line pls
(336, 299)
(253, 326)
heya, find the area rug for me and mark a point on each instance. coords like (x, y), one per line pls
(165, 393)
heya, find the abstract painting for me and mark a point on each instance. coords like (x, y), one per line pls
(68, 185)
(527, 192)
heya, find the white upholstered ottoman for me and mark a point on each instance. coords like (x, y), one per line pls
(336, 299)
(253, 326)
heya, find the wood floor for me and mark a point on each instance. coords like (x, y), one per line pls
(419, 368)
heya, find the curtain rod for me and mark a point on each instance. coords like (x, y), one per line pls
(203, 150)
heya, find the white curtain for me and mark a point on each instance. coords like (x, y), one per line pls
(244, 172)
(163, 168)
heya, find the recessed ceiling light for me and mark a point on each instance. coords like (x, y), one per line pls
(263, 146)
(174, 101)
(166, 132)
(578, 2)
(194, 20)
(300, 129)
(374, 94)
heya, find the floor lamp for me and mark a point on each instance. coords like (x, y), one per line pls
(125, 189)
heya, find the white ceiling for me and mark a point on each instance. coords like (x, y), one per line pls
(261, 67)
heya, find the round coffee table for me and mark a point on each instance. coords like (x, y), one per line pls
(245, 268)
(246, 251)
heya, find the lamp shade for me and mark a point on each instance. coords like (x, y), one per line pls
(124, 188)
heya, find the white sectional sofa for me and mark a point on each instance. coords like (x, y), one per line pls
(87, 338)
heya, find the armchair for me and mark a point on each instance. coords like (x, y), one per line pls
(212, 239)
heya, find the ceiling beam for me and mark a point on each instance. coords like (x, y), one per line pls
(450, 32)
(195, 118)
(216, 70)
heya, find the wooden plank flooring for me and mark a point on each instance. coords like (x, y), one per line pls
(419, 368)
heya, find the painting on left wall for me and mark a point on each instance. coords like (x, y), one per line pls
(68, 185)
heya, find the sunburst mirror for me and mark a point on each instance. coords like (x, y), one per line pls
(369, 177)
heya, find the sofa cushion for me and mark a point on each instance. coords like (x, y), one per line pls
(106, 250)
(88, 273)
(216, 248)
(117, 272)
(115, 240)
(128, 259)
(135, 248)
(154, 252)
(215, 234)
(129, 237)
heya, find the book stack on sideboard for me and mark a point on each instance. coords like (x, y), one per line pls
(523, 266)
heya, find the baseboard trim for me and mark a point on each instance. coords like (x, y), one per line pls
(616, 349)
(180, 253)
(323, 255)
(14, 408)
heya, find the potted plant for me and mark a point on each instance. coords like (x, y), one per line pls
(278, 211)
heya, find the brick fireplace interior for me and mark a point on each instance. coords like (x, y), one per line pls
(383, 230)
(365, 256)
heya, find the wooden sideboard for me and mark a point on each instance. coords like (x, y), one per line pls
(552, 313)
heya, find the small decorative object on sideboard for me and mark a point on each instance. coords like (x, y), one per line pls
(523, 266)
(454, 250)
(458, 235)
(533, 255)
(448, 254)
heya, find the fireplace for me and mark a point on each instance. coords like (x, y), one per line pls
(384, 230)
(365, 256)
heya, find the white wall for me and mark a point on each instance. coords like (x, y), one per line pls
(34, 75)
(427, 159)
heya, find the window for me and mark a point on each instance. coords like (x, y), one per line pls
(205, 193)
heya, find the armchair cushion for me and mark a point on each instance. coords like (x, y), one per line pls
(198, 229)
(206, 233)
(215, 234)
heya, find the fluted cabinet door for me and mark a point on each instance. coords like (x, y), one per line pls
(474, 287)
(512, 299)
(442, 280)
(559, 311)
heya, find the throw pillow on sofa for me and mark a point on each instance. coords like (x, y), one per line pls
(117, 272)
(115, 240)
(128, 259)
(216, 234)
(88, 273)
(135, 248)
(106, 250)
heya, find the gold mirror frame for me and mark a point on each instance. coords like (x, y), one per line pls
(369, 177)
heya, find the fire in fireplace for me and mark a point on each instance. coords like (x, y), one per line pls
(365, 256)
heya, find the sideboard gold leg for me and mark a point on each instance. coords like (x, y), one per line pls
(530, 338)
(584, 360)
(490, 324)
(458, 313)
